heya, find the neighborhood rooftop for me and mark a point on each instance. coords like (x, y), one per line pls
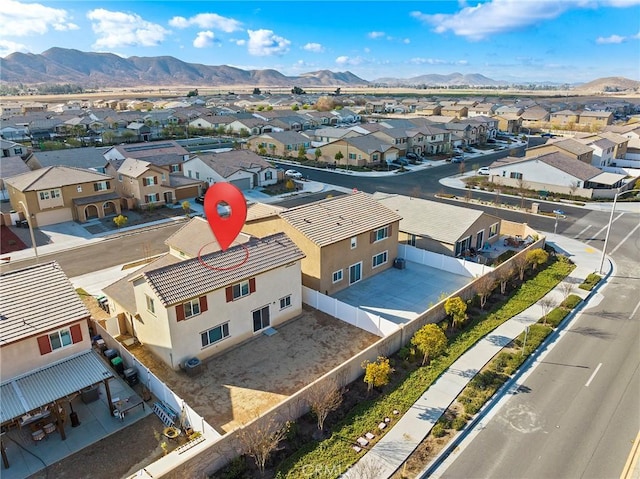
(54, 177)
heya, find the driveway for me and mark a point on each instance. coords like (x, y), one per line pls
(240, 384)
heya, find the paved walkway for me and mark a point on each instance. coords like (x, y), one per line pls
(388, 454)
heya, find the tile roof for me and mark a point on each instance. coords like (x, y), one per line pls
(74, 157)
(430, 219)
(570, 145)
(190, 279)
(54, 177)
(43, 386)
(230, 162)
(570, 165)
(334, 219)
(262, 210)
(37, 299)
(194, 235)
(87, 200)
(133, 168)
(150, 150)
(12, 166)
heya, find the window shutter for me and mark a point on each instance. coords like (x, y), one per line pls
(44, 345)
(144, 182)
(229, 292)
(372, 237)
(155, 180)
(76, 333)
(180, 312)
(203, 304)
(252, 285)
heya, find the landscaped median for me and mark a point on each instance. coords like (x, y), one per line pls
(335, 454)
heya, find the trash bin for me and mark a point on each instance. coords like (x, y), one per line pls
(110, 354)
(193, 367)
(118, 365)
(131, 376)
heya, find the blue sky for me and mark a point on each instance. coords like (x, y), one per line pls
(513, 40)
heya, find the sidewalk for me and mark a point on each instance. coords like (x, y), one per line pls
(388, 454)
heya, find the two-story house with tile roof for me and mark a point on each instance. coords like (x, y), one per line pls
(281, 143)
(365, 150)
(345, 239)
(59, 193)
(566, 146)
(211, 300)
(166, 154)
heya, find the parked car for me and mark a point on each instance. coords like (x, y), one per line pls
(483, 171)
(401, 161)
(457, 159)
(293, 174)
(412, 156)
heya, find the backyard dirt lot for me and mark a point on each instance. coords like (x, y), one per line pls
(239, 384)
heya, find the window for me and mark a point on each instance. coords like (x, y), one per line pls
(175, 168)
(515, 175)
(152, 198)
(151, 306)
(261, 319)
(120, 178)
(412, 240)
(60, 339)
(149, 181)
(191, 308)
(50, 194)
(44, 195)
(354, 242)
(355, 273)
(79, 188)
(379, 259)
(493, 230)
(164, 177)
(241, 289)
(101, 186)
(214, 335)
(285, 302)
(268, 175)
(337, 276)
(380, 234)
(197, 175)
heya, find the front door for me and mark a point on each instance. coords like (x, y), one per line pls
(168, 197)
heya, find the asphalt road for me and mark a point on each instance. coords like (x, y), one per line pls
(577, 414)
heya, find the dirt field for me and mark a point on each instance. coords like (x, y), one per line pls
(235, 386)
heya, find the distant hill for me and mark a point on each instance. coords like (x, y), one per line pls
(610, 84)
(452, 79)
(61, 65)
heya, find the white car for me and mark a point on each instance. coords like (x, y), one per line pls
(483, 171)
(293, 174)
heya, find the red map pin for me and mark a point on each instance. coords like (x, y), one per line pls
(226, 211)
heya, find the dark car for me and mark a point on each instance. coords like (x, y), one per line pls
(412, 156)
(401, 161)
(200, 199)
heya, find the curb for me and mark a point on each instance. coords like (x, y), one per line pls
(432, 467)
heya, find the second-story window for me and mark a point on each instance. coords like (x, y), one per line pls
(150, 181)
(380, 234)
(101, 186)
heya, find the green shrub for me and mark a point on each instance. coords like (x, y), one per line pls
(555, 317)
(590, 282)
(571, 301)
(459, 422)
(438, 430)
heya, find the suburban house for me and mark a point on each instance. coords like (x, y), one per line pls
(45, 347)
(211, 122)
(169, 155)
(10, 166)
(440, 227)
(595, 120)
(509, 122)
(141, 183)
(364, 150)
(632, 133)
(90, 158)
(535, 117)
(242, 168)
(281, 143)
(205, 304)
(555, 172)
(603, 150)
(456, 111)
(345, 239)
(60, 193)
(565, 119)
(566, 146)
(11, 148)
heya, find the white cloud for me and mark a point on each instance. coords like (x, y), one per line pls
(313, 47)
(120, 29)
(610, 39)
(266, 43)
(204, 39)
(7, 47)
(352, 61)
(436, 61)
(207, 20)
(24, 19)
(406, 41)
(497, 16)
(375, 35)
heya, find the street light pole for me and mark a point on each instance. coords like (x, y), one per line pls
(33, 238)
(606, 237)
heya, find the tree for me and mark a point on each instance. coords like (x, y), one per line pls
(546, 304)
(504, 275)
(337, 92)
(484, 287)
(302, 152)
(120, 221)
(192, 93)
(573, 187)
(457, 309)
(317, 154)
(296, 90)
(537, 257)
(128, 135)
(108, 137)
(295, 107)
(378, 373)
(186, 206)
(566, 288)
(520, 263)
(323, 398)
(260, 438)
(430, 341)
(339, 156)
(256, 91)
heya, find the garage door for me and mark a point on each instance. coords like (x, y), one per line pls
(242, 184)
(59, 215)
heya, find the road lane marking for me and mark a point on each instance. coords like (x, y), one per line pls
(580, 234)
(635, 310)
(603, 228)
(624, 239)
(593, 375)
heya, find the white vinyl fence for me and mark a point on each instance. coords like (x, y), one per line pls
(450, 264)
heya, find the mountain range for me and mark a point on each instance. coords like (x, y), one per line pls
(91, 70)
